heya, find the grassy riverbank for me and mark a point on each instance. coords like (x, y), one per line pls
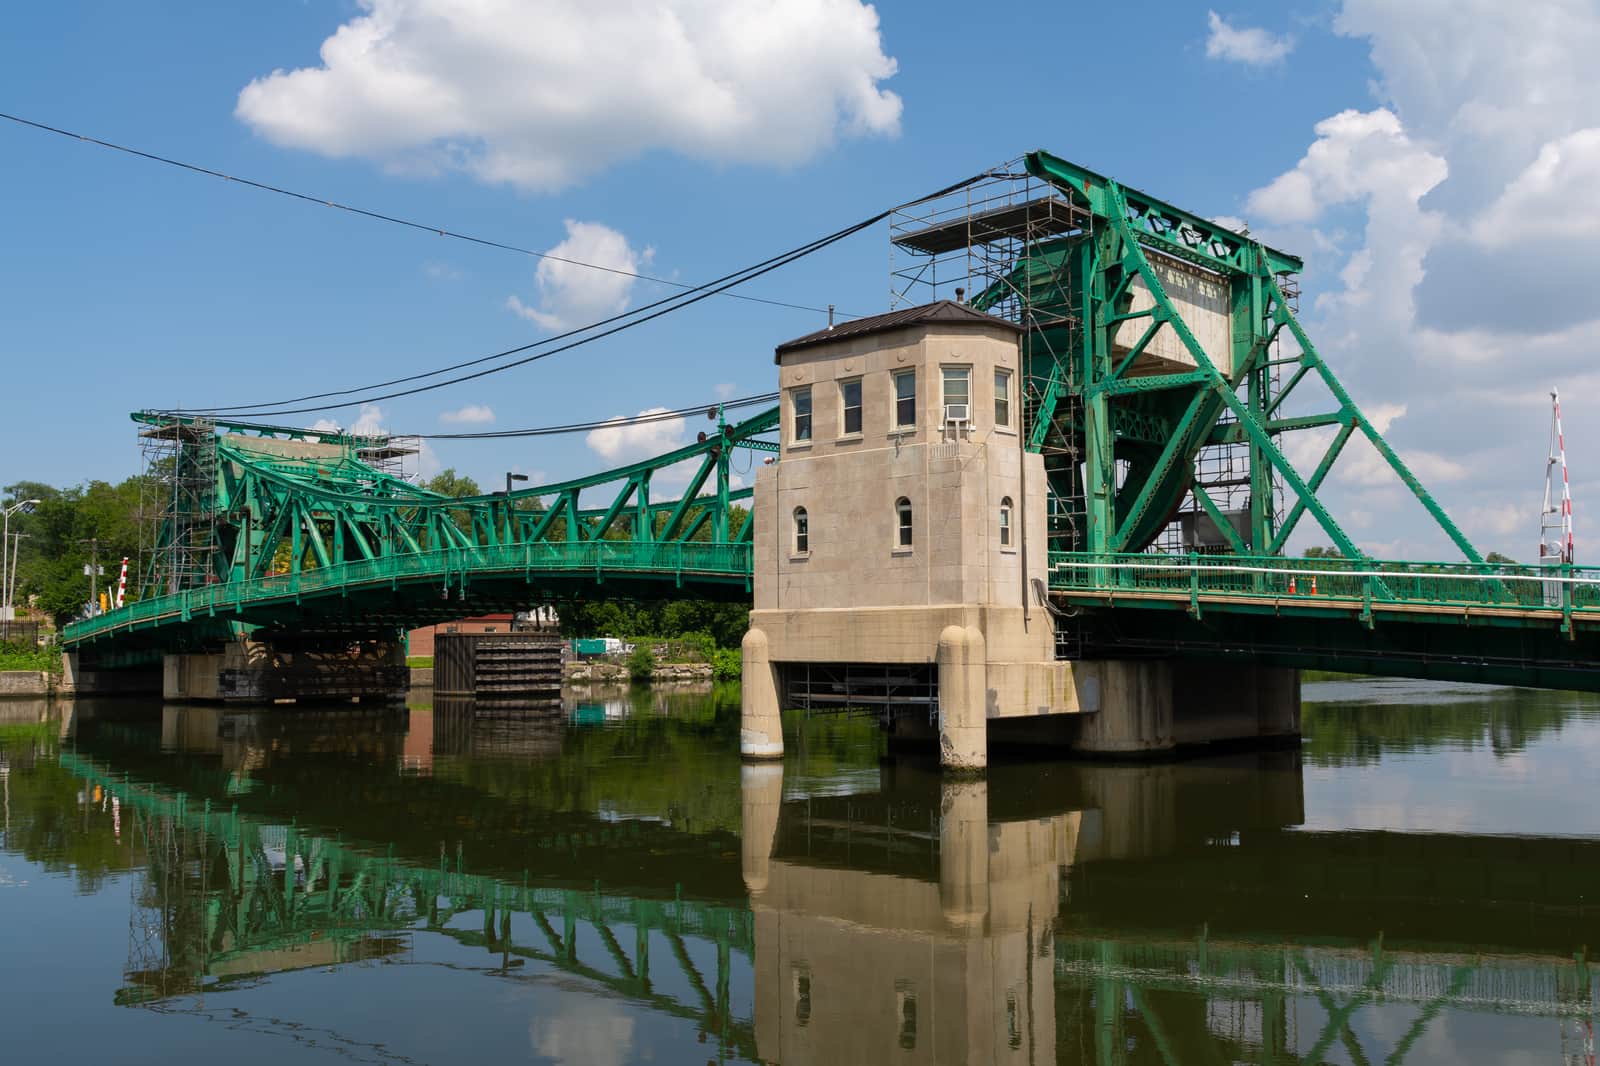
(24, 657)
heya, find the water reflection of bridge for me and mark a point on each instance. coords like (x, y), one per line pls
(1165, 914)
(228, 896)
(1122, 914)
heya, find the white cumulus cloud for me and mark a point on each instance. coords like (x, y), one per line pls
(473, 414)
(369, 422)
(1244, 44)
(1452, 229)
(539, 95)
(571, 294)
(626, 441)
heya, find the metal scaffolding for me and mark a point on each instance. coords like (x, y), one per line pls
(178, 506)
(1011, 245)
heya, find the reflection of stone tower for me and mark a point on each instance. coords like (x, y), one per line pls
(858, 966)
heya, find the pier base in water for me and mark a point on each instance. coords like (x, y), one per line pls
(250, 671)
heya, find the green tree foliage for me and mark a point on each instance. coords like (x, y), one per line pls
(55, 548)
(724, 623)
(1496, 557)
(448, 483)
(1323, 552)
(641, 664)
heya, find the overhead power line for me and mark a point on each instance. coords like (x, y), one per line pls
(641, 419)
(616, 323)
(379, 216)
(283, 406)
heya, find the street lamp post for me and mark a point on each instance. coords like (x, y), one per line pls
(7, 563)
(510, 521)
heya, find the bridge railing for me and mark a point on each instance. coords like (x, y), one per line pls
(1560, 589)
(598, 558)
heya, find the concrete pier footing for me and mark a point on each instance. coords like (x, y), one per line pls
(760, 727)
(250, 671)
(963, 728)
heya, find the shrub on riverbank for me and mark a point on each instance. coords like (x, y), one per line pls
(641, 664)
(28, 657)
(727, 664)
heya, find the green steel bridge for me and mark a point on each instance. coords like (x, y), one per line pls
(301, 534)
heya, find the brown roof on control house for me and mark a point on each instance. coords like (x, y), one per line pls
(941, 312)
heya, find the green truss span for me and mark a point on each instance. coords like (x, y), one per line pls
(296, 530)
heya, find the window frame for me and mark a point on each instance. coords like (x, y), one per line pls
(908, 374)
(844, 407)
(965, 370)
(1002, 375)
(904, 525)
(800, 532)
(1007, 521)
(810, 416)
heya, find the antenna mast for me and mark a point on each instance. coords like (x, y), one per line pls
(1555, 522)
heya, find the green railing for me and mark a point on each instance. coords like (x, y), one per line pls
(1561, 590)
(668, 561)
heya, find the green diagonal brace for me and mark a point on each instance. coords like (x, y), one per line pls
(1309, 351)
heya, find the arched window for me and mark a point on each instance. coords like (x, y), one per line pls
(902, 512)
(802, 532)
(1005, 522)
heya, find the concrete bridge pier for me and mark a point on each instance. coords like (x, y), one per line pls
(83, 675)
(963, 688)
(760, 726)
(255, 671)
(1149, 707)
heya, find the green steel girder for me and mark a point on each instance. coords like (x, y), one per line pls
(1164, 227)
(295, 526)
(1134, 480)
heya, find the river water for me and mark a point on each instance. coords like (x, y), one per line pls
(1419, 882)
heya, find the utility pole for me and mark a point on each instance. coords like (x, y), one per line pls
(93, 570)
(8, 564)
(11, 587)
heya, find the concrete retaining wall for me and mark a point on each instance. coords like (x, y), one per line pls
(24, 683)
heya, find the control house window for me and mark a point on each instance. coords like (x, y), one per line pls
(800, 413)
(1005, 522)
(1002, 398)
(957, 394)
(850, 403)
(905, 399)
(902, 513)
(802, 532)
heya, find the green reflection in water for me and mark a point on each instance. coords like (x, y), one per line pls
(842, 907)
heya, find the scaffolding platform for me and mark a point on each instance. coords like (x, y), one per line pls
(1046, 216)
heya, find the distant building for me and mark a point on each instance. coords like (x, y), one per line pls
(420, 641)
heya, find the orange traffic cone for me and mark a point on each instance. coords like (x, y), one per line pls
(1291, 584)
(1313, 584)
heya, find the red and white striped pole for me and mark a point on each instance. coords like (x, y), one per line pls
(122, 582)
(1566, 486)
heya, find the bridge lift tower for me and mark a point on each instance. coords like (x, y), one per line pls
(1159, 351)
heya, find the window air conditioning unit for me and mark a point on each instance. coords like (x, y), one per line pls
(957, 412)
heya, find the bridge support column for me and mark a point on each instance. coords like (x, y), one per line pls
(80, 676)
(760, 726)
(1149, 707)
(963, 699)
(251, 671)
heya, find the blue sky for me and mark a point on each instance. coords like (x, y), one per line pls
(124, 284)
